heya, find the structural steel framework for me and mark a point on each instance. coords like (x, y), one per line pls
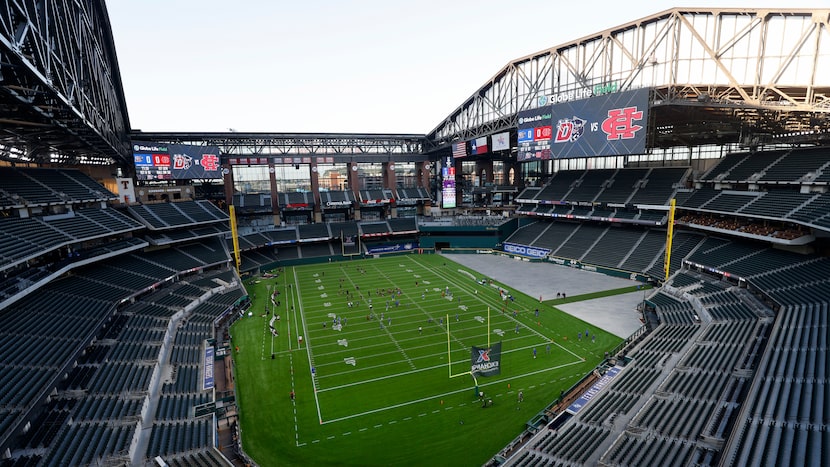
(61, 98)
(718, 75)
(343, 147)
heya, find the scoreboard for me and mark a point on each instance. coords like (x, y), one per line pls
(155, 161)
(152, 166)
(534, 134)
(607, 125)
(448, 184)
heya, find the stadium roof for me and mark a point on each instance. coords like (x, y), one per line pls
(719, 75)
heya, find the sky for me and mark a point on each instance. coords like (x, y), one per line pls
(326, 66)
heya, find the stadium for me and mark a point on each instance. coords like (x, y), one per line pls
(614, 252)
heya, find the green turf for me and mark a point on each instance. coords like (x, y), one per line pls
(397, 404)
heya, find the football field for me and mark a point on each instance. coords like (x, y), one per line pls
(377, 354)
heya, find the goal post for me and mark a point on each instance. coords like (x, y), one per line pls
(449, 351)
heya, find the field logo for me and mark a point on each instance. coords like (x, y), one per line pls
(486, 361)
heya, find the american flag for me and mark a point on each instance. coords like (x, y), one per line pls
(459, 149)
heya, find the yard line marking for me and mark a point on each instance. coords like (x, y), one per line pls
(363, 429)
(346, 433)
(440, 396)
(482, 298)
(378, 426)
(392, 422)
(422, 415)
(293, 401)
(407, 418)
(330, 437)
(307, 345)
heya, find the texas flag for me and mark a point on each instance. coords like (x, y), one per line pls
(478, 145)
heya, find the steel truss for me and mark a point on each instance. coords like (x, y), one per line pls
(718, 75)
(341, 147)
(61, 98)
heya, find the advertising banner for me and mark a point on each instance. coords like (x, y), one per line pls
(485, 362)
(532, 251)
(207, 381)
(594, 390)
(378, 249)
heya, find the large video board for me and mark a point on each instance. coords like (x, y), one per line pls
(608, 125)
(154, 161)
(448, 184)
(534, 133)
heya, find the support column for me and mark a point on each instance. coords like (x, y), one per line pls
(484, 173)
(390, 182)
(424, 179)
(275, 199)
(424, 174)
(227, 179)
(487, 167)
(354, 185)
(315, 190)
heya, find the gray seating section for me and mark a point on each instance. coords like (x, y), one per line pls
(777, 203)
(288, 252)
(529, 192)
(730, 202)
(403, 225)
(753, 165)
(527, 234)
(796, 164)
(816, 212)
(375, 228)
(312, 250)
(580, 242)
(29, 237)
(313, 231)
(645, 252)
(559, 185)
(283, 235)
(39, 186)
(622, 186)
(613, 247)
(788, 411)
(725, 165)
(700, 198)
(296, 200)
(658, 187)
(589, 185)
(252, 202)
(161, 216)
